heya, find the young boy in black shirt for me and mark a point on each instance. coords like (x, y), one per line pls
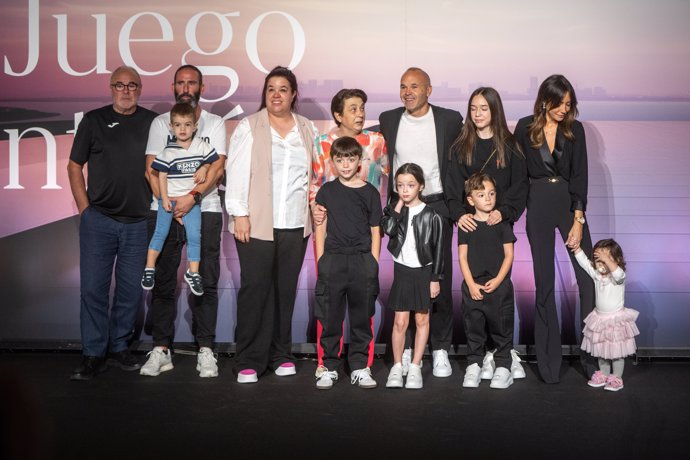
(486, 258)
(348, 244)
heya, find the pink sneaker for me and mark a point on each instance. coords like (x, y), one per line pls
(614, 383)
(286, 369)
(598, 380)
(247, 376)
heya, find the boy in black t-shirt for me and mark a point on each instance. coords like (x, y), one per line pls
(348, 244)
(486, 258)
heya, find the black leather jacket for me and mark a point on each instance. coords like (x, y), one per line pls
(428, 233)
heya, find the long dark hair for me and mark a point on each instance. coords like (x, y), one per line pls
(502, 137)
(551, 93)
(287, 74)
(614, 249)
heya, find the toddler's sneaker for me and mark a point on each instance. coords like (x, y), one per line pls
(286, 369)
(148, 279)
(613, 383)
(406, 360)
(194, 281)
(206, 363)
(472, 376)
(516, 369)
(441, 364)
(326, 379)
(598, 380)
(502, 379)
(159, 360)
(320, 370)
(414, 377)
(362, 378)
(395, 377)
(488, 365)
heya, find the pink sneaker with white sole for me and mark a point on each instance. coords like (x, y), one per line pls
(614, 383)
(598, 380)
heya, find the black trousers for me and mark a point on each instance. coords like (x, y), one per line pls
(204, 308)
(495, 313)
(441, 320)
(548, 208)
(351, 277)
(266, 299)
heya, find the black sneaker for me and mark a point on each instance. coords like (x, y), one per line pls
(124, 360)
(90, 367)
(148, 279)
(194, 281)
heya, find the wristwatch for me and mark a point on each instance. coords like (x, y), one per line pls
(581, 220)
(197, 196)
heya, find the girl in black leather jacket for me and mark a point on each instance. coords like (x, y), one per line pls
(416, 243)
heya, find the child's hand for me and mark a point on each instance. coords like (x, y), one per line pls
(200, 176)
(167, 205)
(491, 285)
(603, 255)
(399, 205)
(575, 248)
(435, 288)
(475, 291)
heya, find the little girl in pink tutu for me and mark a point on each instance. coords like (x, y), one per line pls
(610, 329)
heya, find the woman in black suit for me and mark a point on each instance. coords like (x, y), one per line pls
(556, 153)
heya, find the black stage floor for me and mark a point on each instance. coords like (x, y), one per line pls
(179, 415)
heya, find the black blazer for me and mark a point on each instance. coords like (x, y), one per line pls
(448, 124)
(568, 161)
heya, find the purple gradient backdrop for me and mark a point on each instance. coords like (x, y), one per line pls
(634, 102)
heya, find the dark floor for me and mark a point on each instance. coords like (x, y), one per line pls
(179, 415)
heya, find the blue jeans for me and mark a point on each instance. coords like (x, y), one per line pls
(192, 226)
(105, 243)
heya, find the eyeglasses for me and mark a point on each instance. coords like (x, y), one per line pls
(119, 86)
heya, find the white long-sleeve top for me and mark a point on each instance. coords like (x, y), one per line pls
(609, 288)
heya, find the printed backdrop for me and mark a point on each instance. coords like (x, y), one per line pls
(629, 61)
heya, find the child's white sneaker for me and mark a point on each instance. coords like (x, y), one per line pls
(362, 378)
(472, 376)
(406, 360)
(502, 379)
(414, 377)
(395, 376)
(441, 364)
(159, 360)
(206, 363)
(326, 379)
(488, 365)
(516, 369)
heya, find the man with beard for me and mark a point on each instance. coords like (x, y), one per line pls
(187, 87)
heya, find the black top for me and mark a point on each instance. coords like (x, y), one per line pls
(352, 211)
(511, 181)
(114, 146)
(568, 160)
(485, 248)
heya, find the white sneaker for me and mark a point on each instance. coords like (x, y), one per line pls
(326, 380)
(286, 369)
(441, 364)
(206, 363)
(320, 370)
(414, 377)
(516, 369)
(472, 376)
(362, 378)
(406, 360)
(159, 360)
(395, 377)
(502, 379)
(488, 365)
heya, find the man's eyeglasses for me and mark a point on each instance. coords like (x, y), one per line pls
(119, 86)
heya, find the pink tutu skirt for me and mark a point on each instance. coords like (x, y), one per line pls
(610, 335)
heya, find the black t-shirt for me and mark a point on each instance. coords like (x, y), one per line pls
(351, 214)
(114, 146)
(485, 248)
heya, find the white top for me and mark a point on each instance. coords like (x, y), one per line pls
(609, 288)
(290, 178)
(180, 164)
(416, 143)
(408, 252)
(211, 129)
